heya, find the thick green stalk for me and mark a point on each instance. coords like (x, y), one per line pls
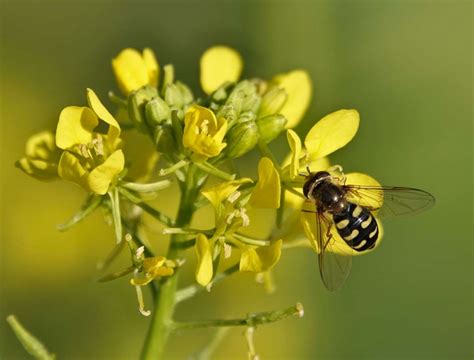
(162, 318)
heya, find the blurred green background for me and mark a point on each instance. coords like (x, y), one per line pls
(405, 65)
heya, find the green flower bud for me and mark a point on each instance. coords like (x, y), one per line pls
(157, 111)
(185, 92)
(270, 127)
(174, 96)
(244, 97)
(272, 102)
(164, 139)
(137, 101)
(241, 139)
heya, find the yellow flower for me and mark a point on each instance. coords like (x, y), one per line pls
(134, 70)
(231, 206)
(219, 64)
(90, 159)
(298, 87)
(42, 157)
(309, 225)
(154, 268)
(329, 134)
(266, 194)
(203, 132)
(260, 259)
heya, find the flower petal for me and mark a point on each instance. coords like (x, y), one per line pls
(204, 260)
(299, 88)
(75, 126)
(71, 169)
(258, 259)
(332, 132)
(103, 114)
(130, 70)
(266, 194)
(363, 179)
(295, 145)
(101, 177)
(216, 194)
(152, 66)
(218, 65)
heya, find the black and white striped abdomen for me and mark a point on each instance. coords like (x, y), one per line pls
(357, 227)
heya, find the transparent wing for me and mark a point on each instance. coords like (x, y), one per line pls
(335, 256)
(390, 201)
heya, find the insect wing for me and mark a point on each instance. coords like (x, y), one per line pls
(334, 255)
(390, 201)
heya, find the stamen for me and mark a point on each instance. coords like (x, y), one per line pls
(245, 217)
(234, 196)
(141, 302)
(227, 251)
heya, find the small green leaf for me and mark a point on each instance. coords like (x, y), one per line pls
(87, 208)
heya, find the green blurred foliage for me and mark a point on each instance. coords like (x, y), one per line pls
(406, 66)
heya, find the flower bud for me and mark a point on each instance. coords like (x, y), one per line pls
(173, 96)
(164, 139)
(244, 97)
(186, 92)
(270, 127)
(241, 139)
(272, 102)
(137, 101)
(157, 111)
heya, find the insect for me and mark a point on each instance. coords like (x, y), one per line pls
(348, 210)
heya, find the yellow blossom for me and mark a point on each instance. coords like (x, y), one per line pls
(154, 268)
(41, 157)
(266, 194)
(90, 159)
(298, 87)
(203, 132)
(259, 259)
(219, 64)
(134, 70)
(204, 270)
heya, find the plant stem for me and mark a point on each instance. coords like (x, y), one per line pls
(251, 320)
(161, 322)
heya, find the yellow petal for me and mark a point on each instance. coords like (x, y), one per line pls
(41, 145)
(295, 145)
(103, 114)
(100, 178)
(39, 169)
(130, 70)
(266, 194)
(153, 262)
(218, 65)
(298, 86)
(216, 194)
(142, 281)
(363, 179)
(258, 259)
(71, 169)
(75, 126)
(204, 260)
(152, 66)
(332, 132)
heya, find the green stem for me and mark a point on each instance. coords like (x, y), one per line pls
(212, 170)
(161, 322)
(252, 320)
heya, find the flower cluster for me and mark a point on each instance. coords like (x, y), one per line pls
(197, 138)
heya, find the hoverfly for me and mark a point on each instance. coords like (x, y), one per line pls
(349, 210)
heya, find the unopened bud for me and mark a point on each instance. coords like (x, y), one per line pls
(137, 101)
(272, 102)
(270, 127)
(157, 111)
(173, 96)
(244, 97)
(185, 92)
(241, 139)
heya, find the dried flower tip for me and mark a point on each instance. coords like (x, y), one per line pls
(128, 237)
(300, 309)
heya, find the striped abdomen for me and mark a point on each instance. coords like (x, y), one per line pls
(357, 227)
